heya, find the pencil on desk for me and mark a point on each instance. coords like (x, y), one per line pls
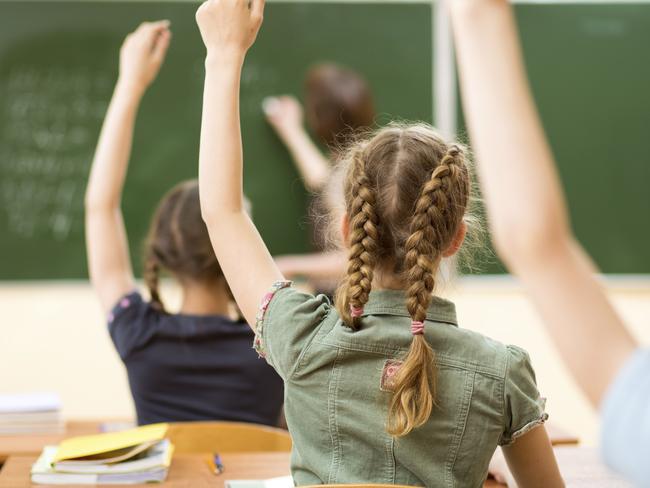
(215, 464)
(211, 466)
(218, 463)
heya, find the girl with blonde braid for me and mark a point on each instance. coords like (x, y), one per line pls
(383, 386)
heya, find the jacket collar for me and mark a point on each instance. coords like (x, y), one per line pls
(393, 302)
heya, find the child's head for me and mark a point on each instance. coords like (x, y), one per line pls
(337, 103)
(405, 193)
(178, 242)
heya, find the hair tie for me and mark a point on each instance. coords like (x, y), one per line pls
(356, 311)
(417, 327)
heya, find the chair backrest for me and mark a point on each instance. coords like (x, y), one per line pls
(225, 437)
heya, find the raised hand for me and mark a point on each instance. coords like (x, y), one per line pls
(284, 113)
(143, 53)
(286, 116)
(109, 264)
(229, 27)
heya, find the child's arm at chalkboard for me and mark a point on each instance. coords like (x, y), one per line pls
(228, 29)
(285, 116)
(526, 209)
(109, 264)
(330, 265)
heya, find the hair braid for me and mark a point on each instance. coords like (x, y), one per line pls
(151, 277)
(433, 226)
(363, 243)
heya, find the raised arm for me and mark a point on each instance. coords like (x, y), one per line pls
(107, 247)
(286, 117)
(526, 209)
(228, 29)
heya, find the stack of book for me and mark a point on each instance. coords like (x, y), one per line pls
(141, 455)
(30, 413)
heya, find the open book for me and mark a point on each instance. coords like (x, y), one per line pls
(110, 444)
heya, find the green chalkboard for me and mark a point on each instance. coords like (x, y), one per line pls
(58, 63)
(590, 73)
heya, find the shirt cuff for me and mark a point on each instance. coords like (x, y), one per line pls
(122, 304)
(258, 342)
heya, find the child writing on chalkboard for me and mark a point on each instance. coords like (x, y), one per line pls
(533, 235)
(384, 386)
(338, 105)
(192, 365)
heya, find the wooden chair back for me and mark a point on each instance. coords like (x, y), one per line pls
(226, 437)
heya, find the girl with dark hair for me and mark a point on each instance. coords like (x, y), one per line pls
(192, 365)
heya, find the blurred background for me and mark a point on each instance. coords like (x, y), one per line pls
(58, 62)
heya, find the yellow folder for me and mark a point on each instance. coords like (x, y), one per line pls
(91, 445)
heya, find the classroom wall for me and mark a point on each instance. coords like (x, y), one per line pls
(53, 338)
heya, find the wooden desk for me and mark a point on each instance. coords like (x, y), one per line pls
(581, 468)
(187, 470)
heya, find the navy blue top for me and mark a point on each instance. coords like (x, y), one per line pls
(191, 367)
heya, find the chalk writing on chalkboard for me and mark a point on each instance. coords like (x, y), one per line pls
(50, 118)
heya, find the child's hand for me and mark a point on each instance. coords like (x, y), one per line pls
(229, 27)
(283, 113)
(143, 53)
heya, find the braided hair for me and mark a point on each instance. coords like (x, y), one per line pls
(363, 243)
(406, 194)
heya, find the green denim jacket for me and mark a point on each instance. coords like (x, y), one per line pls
(337, 384)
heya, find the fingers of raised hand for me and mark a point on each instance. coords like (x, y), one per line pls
(216, 8)
(257, 10)
(148, 32)
(160, 46)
